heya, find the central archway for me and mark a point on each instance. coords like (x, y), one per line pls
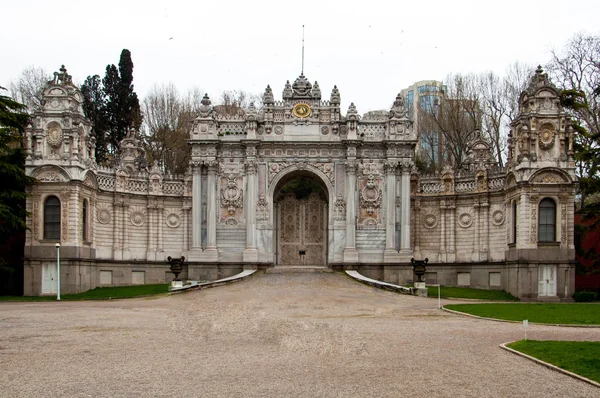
(301, 220)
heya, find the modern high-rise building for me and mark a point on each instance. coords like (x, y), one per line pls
(419, 98)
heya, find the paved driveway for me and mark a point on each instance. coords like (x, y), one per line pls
(273, 335)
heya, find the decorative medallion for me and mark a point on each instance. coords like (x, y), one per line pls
(547, 138)
(137, 218)
(54, 137)
(103, 216)
(430, 221)
(324, 130)
(498, 217)
(301, 110)
(278, 130)
(465, 220)
(173, 220)
(260, 131)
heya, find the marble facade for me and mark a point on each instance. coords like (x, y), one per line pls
(478, 226)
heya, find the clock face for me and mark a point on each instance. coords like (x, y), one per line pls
(302, 110)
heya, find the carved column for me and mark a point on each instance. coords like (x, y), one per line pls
(485, 216)
(159, 226)
(451, 247)
(390, 207)
(211, 211)
(197, 206)
(443, 231)
(350, 252)
(185, 245)
(477, 222)
(405, 210)
(125, 232)
(250, 252)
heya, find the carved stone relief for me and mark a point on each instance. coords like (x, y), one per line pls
(137, 216)
(104, 213)
(276, 167)
(370, 195)
(232, 199)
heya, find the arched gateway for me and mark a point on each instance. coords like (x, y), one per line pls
(301, 217)
(297, 182)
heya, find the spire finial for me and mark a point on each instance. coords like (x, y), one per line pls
(302, 73)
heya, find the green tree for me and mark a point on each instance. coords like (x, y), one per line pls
(13, 213)
(94, 107)
(113, 106)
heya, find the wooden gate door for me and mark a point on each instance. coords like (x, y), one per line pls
(302, 231)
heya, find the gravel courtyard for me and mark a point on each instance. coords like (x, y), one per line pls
(273, 335)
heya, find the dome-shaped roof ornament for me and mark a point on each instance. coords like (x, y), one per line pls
(205, 108)
(287, 90)
(335, 98)
(301, 87)
(398, 110)
(352, 110)
(316, 91)
(538, 81)
(268, 98)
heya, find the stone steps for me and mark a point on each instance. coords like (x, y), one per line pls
(297, 268)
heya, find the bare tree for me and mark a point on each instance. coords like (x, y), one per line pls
(499, 101)
(576, 70)
(167, 118)
(453, 117)
(28, 88)
(236, 102)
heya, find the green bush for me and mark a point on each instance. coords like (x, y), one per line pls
(584, 297)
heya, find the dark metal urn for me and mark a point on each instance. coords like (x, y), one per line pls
(419, 267)
(176, 265)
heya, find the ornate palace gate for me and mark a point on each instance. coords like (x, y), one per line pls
(302, 230)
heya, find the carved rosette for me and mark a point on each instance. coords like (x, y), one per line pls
(430, 219)
(137, 216)
(231, 196)
(103, 214)
(547, 137)
(465, 220)
(173, 219)
(498, 217)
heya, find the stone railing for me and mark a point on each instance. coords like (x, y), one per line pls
(464, 182)
(140, 184)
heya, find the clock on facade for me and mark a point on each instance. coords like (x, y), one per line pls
(301, 110)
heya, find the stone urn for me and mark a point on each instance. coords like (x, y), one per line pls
(176, 265)
(419, 268)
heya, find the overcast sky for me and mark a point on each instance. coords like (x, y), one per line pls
(369, 49)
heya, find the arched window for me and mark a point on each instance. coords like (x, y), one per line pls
(84, 221)
(52, 218)
(547, 221)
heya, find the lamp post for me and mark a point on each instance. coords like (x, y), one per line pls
(58, 270)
